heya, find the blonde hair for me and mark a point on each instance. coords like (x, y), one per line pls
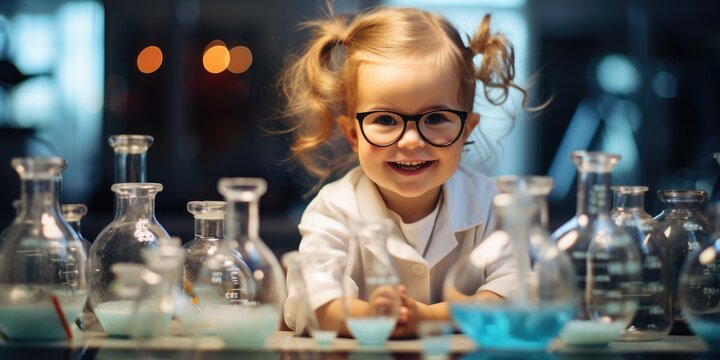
(319, 84)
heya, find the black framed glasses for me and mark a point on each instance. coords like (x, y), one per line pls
(437, 127)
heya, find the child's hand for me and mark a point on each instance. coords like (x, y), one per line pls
(411, 314)
(383, 300)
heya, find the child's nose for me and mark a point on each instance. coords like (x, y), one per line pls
(411, 139)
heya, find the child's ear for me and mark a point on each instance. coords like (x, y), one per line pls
(350, 130)
(471, 122)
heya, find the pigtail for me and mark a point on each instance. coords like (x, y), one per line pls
(497, 70)
(311, 85)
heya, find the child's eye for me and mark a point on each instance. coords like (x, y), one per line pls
(384, 119)
(435, 118)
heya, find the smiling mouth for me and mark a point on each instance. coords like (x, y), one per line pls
(411, 165)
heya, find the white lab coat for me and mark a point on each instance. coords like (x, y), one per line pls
(463, 222)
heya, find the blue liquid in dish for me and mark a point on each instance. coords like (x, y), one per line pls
(371, 331)
(511, 326)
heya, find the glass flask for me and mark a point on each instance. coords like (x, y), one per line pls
(688, 229)
(122, 241)
(314, 270)
(541, 302)
(73, 214)
(42, 262)
(371, 278)
(606, 260)
(699, 292)
(654, 316)
(209, 231)
(243, 313)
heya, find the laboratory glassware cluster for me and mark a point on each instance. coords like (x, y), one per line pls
(612, 272)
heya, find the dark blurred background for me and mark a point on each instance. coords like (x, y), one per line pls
(640, 78)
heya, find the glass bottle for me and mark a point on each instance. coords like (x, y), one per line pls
(688, 229)
(242, 314)
(654, 316)
(73, 214)
(122, 241)
(376, 282)
(43, 283)
(606, 260)
(542, 300)
(209, 230)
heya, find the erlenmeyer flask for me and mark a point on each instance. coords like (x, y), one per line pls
(243, 311)
(653, 318)
(606, 261)
(307, 275)
(42, 262)
(542, 301)
(688, 229)
(371, 283)
(73, 214)
(133, 229)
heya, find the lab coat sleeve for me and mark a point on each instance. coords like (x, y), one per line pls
(325, 239)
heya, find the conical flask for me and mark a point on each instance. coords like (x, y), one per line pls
(541, 303)
(42, 262)
(243, 313)
(688, 229)
(654, 316)
(606, 260)
(371, 283)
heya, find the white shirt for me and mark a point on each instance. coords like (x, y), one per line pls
(463, 221)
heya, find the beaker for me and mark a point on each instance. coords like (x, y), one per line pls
(654, 316)
(42, 262)
(606, 260)
(539, 301)
(688, 229)
(371, 283)
(243, 313)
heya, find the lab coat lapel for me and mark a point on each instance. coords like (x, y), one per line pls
(372, 207)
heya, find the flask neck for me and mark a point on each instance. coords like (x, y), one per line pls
(593, 194)
(135, 206)
(244, 219)
(39, 196)
(630, 202)
(209, 228)
(75, 225)
(130, 167)
(541, 216)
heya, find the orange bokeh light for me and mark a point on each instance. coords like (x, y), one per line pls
(240, 59)
(149, 59)
(216, 59)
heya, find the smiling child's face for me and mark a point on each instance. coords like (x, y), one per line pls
(411, 170)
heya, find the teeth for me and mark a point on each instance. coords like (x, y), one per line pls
(413, 163)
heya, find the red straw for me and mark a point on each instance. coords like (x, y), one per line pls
(61, 316)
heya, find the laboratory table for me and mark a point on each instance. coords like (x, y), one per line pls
(94, 344)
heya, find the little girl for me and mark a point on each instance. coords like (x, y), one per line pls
(393, 89)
